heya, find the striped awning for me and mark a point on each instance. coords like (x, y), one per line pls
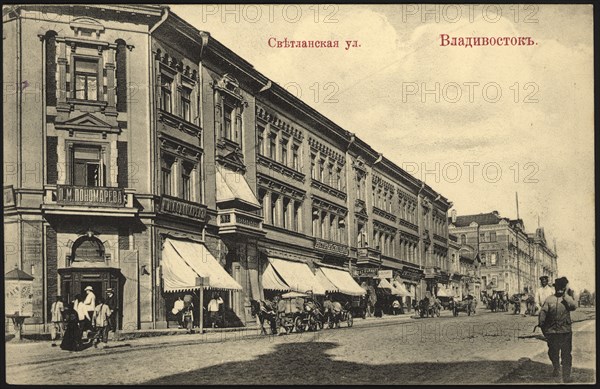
(184, 261)
(296, 275)
(341, 280)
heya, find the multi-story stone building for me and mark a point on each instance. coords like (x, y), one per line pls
(464, 268)
(512, 260)
(143, 155)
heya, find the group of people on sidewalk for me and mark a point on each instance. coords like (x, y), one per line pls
(183, 310)
(91, 316)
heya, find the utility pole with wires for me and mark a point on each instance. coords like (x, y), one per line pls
(518, 260)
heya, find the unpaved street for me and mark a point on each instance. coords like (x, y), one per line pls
(485, 348)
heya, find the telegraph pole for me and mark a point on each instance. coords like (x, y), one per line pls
(518, 261)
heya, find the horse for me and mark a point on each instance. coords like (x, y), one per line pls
(258, 308)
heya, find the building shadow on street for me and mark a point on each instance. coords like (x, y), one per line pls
(310, 363)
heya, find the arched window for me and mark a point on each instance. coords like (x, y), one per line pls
(88, 249)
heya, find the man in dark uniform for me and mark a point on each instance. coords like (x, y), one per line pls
(111, 301)
(555, 323)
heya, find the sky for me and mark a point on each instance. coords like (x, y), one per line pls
(478, 124)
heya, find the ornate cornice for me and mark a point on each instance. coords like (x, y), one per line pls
(280, 187)
(325, 150)
(278, 123)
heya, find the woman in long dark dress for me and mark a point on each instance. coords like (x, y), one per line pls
(72, 338)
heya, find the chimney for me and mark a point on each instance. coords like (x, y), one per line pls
(496, 213)
(453, 213)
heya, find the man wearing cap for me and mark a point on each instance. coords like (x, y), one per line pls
(555, 323)
(542, 293)
(111, 301)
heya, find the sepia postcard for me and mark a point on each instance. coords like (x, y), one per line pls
(338, 194)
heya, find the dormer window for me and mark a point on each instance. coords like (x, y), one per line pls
(86, 79)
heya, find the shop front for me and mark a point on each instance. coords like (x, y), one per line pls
(411, 277)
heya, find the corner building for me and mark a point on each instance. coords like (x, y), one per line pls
(147, 157)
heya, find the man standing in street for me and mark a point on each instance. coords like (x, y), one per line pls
(555, 323)
(542, 293)
(111, 301)
(89, 303)
(57, 319)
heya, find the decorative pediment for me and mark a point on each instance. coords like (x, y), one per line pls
(86, 27)
(229, 85)
(234, 160)
(87, 122)
(473, 224)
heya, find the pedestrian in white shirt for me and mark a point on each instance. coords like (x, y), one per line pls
(542, 293)
(214, 306)
(57, 319)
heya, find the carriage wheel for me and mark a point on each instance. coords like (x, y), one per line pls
(298, 326)
(350, 320)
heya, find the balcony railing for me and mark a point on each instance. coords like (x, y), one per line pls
(368, 255)
(74, 199)
(236, 221)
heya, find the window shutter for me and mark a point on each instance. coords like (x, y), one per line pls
(122, 163)
(52, 159)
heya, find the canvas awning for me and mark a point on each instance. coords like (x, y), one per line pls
(329, 286)
(271, 281)
(184, 261)
(232, 186)
(342, 280)
(385, 284)
(401, 289)
(296, 275)
(445, 293)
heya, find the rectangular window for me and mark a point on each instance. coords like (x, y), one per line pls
(493, 259)
(284, 151)
(296, 221)
(322, 170)
(272, 146)
(260, 130)
(274, 211)
(228, 123)
(186, 181)
(86, 79)
(482, 237)
(332, 228)
(166, 89)
(88, 168)
(166, 175)
(492, 236)
(330, 176)
(338, 178)
(295, 157)
(324, 222)
(313, 166)
(261, 200)
(315, 222)
(286, 213)
(186, 106)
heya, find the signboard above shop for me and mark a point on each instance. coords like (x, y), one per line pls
(385, 274)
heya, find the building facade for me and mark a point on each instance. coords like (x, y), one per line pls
(129, 131)
(511, 259)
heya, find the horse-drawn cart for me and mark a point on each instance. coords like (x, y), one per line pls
(468, 305)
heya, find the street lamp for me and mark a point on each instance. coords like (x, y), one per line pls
(18, 298)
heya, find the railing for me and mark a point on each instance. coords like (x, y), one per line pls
(368, 255)
(233, 218)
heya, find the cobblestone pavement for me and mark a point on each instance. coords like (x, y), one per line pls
(485, 348)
